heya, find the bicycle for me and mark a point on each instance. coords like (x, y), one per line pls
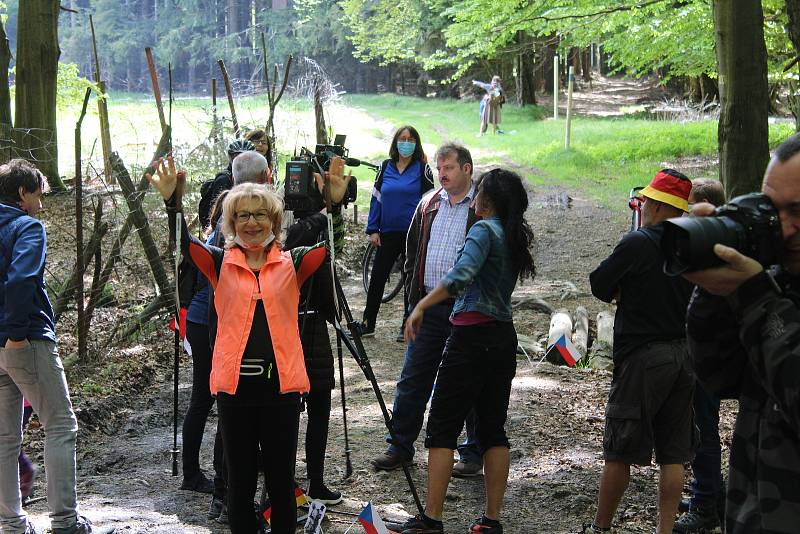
(396, 280)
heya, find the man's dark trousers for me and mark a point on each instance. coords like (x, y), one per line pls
(707, 487)
(420, 365)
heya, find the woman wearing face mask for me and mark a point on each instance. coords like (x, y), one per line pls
(403, 179)
(258, 370)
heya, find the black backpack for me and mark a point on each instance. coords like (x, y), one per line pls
(209, 190)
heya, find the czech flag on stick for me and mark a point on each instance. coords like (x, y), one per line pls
(371, 521)
(567, 350)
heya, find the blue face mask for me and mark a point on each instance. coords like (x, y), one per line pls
(406, 148)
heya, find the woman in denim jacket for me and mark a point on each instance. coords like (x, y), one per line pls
(479, 360)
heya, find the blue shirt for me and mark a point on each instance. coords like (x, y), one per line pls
(447, 237)
(391, 208)
(198, 308)
(483, 277)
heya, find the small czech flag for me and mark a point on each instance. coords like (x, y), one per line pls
(567, 350)
(371, 521)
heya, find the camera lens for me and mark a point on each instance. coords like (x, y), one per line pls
(688, 243)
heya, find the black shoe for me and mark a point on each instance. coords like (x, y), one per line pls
(684, 506)
(389, 461)
(324, 495)
(698, 520)
(421, 525)
(365, 329)
(198, 483)
(482, 525)
(215, 509)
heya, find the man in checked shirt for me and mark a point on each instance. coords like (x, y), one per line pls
(437, 232)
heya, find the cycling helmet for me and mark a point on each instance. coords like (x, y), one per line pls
(238, 146)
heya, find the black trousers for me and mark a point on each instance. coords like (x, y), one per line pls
(393, 244)
(200, 404)
(274, 429)
(318, 405)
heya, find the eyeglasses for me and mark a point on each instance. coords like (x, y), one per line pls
(244, 216)
(261, 142)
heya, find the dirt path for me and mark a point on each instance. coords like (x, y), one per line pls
(555, 419)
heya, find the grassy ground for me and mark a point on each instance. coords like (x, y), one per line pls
(607, 156)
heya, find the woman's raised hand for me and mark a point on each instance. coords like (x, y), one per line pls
(167, 177)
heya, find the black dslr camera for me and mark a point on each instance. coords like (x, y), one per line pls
(748, 223)
(301, 193)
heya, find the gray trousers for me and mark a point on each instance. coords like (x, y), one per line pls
(36, 373)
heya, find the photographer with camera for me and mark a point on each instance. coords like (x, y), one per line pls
(743, 326)
(650, 402)
(403, 180)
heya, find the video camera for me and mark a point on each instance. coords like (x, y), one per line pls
(748, 223)
(301, 193)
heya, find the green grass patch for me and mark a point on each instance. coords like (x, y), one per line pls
(606, 158)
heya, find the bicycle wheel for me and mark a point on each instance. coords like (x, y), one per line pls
(395, 281)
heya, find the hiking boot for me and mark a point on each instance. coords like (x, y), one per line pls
(199, 483)
(81, 526)
(484, 525)
(26, 479)
(698, 520)
(324, 495)
(466, 469)
(222, 518)
(591, 529)
(684, 506)
(389, 461)
(365, 329)
(215, 509)
(420, 524)
(401, 335)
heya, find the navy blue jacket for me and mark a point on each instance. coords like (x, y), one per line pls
(25, 309)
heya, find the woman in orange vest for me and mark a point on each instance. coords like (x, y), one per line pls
(258, 370)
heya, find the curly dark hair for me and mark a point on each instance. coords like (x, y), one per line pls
(509, 199)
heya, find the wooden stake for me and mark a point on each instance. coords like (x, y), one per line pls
(81, 261)
(556, 85)
(214, 118)
(229, 91)
(102, 108)
(571, 82)
(151, 66)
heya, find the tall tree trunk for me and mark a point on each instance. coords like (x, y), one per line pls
(744, 94)
(5, 98)
(37, 73)
(525, 66)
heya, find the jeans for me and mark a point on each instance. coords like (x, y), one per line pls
(393, 244)
(420, 366)
(707, 487)
(36, 373)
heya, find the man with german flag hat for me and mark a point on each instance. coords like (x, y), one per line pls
(650, 402)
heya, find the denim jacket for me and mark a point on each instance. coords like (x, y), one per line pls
(482, 277)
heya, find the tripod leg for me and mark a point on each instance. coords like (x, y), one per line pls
(348, 462)
(353, 343)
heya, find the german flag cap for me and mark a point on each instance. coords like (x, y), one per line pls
(670, 187)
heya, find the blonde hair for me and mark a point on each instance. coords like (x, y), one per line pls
(250, 191)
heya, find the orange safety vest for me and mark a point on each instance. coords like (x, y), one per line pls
(235, 296)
